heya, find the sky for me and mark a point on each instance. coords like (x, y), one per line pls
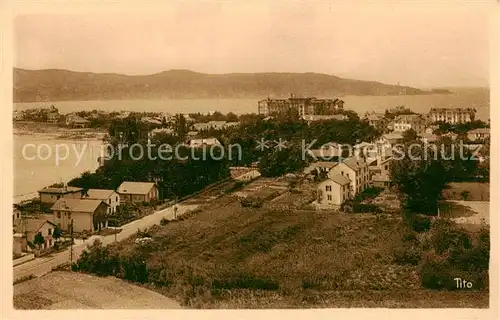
(421, 44)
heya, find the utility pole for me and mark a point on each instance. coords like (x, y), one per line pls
(71, 246)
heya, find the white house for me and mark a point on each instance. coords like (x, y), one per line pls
(333, 191)
(356, 170)
(110, 197)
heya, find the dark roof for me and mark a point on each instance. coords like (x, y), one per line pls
(63, 190)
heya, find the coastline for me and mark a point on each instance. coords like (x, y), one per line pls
(51, 133)
(56, 131)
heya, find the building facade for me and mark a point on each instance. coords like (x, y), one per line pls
(52, 194)
(138, 191)
(86, 214)
(478, 134)
(356, 170)
(333, 191)
(299, 106)
(409, 121)
(452, 115)
(110, 197)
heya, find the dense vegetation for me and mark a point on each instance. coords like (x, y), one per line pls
(178, 177)
(424, 170)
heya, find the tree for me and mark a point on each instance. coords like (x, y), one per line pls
(277, 163)
(180, 126)
(38, 240)
(410, 135)
(419, 178)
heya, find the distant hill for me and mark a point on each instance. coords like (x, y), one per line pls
(63, 85)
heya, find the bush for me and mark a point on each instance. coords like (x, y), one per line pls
(409, 251)
(447, 236)
(420, 223)
(362, 208)
(439, 273)
(164, 221)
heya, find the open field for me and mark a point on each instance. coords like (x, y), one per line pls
(227, 256)
(71, 290)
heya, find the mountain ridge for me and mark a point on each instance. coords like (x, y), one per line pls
(66, 85)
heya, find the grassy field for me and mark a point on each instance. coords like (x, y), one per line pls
(477, 191)
(227, 256)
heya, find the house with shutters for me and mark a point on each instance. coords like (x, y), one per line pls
(332, 192)
(356, 170)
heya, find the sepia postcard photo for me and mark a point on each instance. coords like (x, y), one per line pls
(252, 155)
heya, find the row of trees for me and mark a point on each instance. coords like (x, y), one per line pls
(177, 177)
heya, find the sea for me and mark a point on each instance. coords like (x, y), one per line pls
(32, 175)
(36, 164)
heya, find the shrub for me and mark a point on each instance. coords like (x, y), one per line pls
(409, 252)
(449, 236)
(362, 208)
(252, 202)
(439, 273)
(164, 221)
(420, 223)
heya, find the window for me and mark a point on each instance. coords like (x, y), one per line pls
(58, 214)
(58, 197)
(109, 210)
(329, 197)
(328, 188)
(386, 167)
(49, 232)
(116, 199)
(69, 215)
(109, 201)
(342, 172)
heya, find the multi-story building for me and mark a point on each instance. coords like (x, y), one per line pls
(409, 121)
(356, 170)
(333, 191)
(300, 106)
(452, 115)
